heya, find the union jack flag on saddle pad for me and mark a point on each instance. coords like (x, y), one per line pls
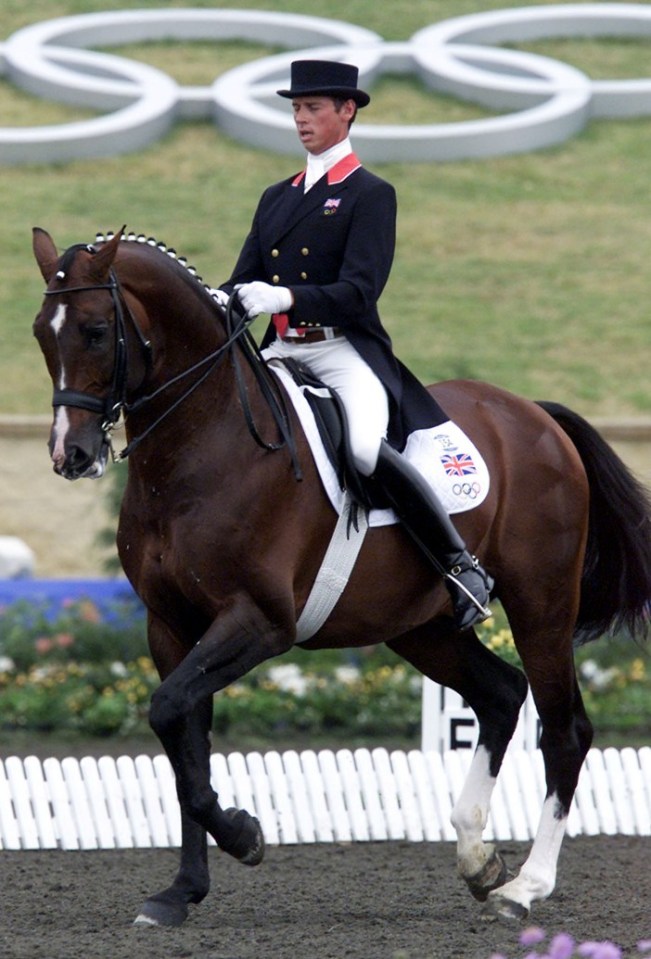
(458, 464)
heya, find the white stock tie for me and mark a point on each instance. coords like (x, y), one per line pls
(315, 170)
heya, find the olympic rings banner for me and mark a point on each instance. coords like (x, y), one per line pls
(548, 101)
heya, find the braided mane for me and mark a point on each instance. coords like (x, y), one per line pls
(168, 250)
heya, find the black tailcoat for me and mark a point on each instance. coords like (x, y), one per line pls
(333, 247)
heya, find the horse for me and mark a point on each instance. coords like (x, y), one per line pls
(224, 523)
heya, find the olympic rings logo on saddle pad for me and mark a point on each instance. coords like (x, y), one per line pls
(549, 101)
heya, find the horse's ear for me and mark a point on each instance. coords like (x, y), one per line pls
(103, 260)
(45, 252)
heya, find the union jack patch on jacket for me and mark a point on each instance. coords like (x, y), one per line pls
(330, 205)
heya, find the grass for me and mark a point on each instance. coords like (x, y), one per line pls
(529, 271)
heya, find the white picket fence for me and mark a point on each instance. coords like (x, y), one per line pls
(306, 797)
(326, 796)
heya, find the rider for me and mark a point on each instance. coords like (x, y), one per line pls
(317, 258)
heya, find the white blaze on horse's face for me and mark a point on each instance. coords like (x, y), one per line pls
(61, 426)
(59, 318)
(61, 423)
(60, 429)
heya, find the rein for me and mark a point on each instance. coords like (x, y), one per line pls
(269, 387)
(111, 407)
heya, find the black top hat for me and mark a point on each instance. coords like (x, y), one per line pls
(325, 78)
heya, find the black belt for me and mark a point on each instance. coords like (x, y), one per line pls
(313, 336)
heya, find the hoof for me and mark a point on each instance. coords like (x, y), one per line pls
(162, 912)
(507, 910)
(493, 875)
(247, 841)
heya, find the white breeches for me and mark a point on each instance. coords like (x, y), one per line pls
(340, 366)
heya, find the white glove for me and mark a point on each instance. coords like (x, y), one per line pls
(221, 296)
(258, 297)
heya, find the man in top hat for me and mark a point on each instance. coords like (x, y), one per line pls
(316, 259)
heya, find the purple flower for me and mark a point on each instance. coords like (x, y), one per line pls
(600, 950)
(531, 936)
(644, 945)
(562, 946)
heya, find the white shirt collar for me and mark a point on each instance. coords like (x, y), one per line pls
(317, 166)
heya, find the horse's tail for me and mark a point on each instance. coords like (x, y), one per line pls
(616, 581)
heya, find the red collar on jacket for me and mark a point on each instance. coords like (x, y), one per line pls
(338, 172)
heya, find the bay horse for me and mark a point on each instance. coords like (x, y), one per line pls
(222, 543)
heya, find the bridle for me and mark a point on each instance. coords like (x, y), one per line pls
(115, 405)
(110, 407)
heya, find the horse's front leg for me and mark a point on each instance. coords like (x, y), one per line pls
(192, 882)
(240, 638)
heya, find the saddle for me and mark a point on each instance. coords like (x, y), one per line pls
(332, 423)
(445, 456)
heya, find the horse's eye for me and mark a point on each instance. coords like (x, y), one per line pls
(96, 335)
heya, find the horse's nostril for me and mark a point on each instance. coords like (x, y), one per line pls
(77, 457)
(77, 462)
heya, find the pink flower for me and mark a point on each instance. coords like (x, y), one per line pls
(64, 640)
(43, 645)
(89, 611)
(531, 936)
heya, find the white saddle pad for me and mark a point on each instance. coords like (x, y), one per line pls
(444, 455)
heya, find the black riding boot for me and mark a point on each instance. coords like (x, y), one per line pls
(430, 526)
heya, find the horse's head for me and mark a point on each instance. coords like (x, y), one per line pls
(82, 332)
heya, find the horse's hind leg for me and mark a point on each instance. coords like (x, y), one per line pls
(542, 554)
(565, 740)
(495, 691)
(542, 623)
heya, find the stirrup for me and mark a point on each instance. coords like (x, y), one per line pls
(482, 613)
(482, 610)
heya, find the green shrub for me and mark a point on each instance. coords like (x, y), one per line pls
(78, 630)
(85, 669)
